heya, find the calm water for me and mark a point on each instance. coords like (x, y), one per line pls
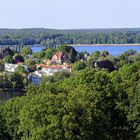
(36, 49)
(114, 50)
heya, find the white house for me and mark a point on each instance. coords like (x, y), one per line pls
(50, 70)
(11, 67)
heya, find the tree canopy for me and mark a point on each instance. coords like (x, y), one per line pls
(88, 103)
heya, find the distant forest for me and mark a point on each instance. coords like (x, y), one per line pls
(52, 37)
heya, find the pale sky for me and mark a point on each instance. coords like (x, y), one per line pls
(69, 14)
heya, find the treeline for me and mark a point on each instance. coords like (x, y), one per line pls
(90, 103)
(53, 38)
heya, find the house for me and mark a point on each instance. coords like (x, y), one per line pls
(50, 70)
(86, 56)
(34, 79)
(47, 61)
(59, 58)
(29, 56)
(12, 67)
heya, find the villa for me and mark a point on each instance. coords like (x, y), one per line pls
(59, 58)
(50, 70)
(58, 63)
(12, 67)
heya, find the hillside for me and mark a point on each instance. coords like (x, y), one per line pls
(55, 37)
(6, 31)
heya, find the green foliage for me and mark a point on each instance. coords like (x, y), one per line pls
(48, 125)
(30, 62)
(3, 132)
(8, 59)
(58, 76)
(7, 51)
(13, 81)
(20, 69)
(79, 66)
(49, 53)
(95, 55)
(89, 103)
(25, 51)
(70, 51)
(134, 111)
(51, 38)
(104, 53)
(127, 57)
(2, 66)
(18, 80)
(39, 55)
(10, 112)
(82, 119)
(18, 58)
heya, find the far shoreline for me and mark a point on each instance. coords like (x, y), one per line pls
(95, 45)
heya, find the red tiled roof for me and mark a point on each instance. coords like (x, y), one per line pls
(54, 67)
(49, 67)
(19, 62)
(41, 65)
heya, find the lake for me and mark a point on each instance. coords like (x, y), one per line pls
(36, 49)
(114, 50)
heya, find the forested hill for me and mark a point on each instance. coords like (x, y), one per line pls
(6, 31)
(53, 37)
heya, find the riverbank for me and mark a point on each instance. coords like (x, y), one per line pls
(79, 45)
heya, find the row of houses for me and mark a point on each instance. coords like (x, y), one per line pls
(35, 77)
(58, 63)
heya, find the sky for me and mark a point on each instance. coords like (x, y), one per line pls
(69, 14)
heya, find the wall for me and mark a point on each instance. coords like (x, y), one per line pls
(8, 94)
